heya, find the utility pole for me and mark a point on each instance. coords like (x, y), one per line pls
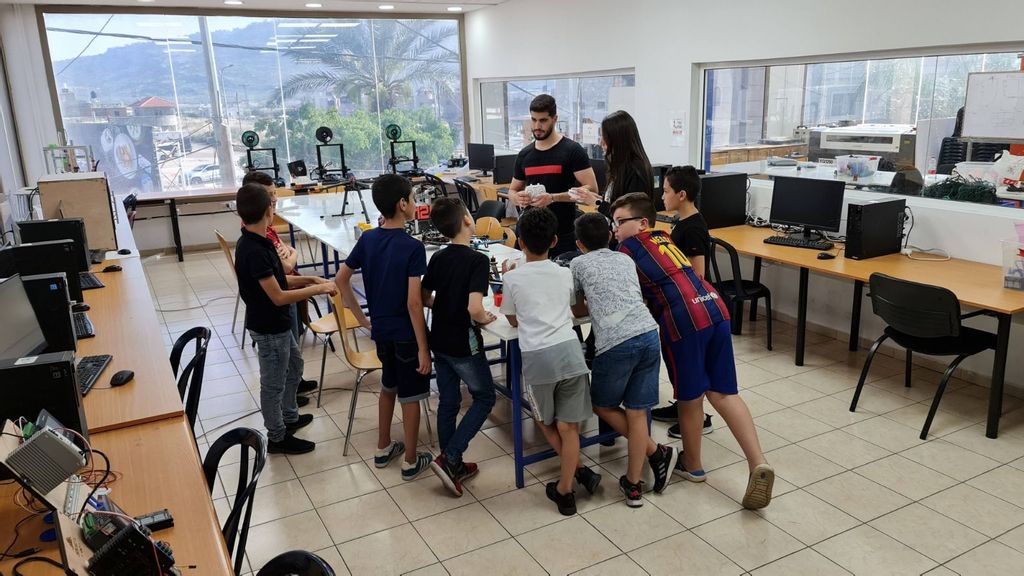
(221, 131)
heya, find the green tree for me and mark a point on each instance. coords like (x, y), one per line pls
(379, 59)
(361, 135)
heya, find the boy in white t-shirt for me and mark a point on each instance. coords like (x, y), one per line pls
(537, 297)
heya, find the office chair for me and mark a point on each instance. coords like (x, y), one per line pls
(236, 527)
(297, 563)
(468, 195)
(924, 319)
(224, 246)
(736, 290)
(364, 363)
(436, 182)
(191, 378)
(493, 208)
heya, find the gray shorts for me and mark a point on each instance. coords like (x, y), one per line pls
(566, 400)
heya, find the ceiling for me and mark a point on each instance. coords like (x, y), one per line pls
(366, 6)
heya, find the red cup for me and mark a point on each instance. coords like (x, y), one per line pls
(497, 299)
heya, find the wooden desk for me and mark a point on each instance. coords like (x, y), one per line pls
(127, 327)
(975, 284)
(161, 469)
(173, 198)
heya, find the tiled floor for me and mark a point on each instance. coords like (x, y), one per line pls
(855, 493)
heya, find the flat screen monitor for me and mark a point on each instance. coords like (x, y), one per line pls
(63, 229)
(601, 172)
(808, 203)
(45, 258)
(22, 336)
(504, 168)
(481, 157)
(723, 199)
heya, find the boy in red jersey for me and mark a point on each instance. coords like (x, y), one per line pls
(695, 342)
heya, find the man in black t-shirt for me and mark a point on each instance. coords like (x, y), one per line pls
(556, 162)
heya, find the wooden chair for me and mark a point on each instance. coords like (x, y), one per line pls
(364, 363)
(324, 328)
(238, 297)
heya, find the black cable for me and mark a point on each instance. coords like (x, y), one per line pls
(106, 474)
(45, 560)
(17, 527)
(906, 241)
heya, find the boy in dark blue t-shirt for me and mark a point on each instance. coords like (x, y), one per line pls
(392, 263)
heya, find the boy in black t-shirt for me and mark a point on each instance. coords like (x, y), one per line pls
(454, 286)
(690, 234)
(269, 295)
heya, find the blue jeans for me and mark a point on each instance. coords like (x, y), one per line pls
(476, 373)
(627, 374)
(280, 371)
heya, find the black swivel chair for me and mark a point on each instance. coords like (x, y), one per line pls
(190, 382)
(236, 527)
(297, 563)
(468, 195)
(492, 208)
(924, 319)
(736, 290)
(436, 182)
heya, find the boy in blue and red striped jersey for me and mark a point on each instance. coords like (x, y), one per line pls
(695, 342)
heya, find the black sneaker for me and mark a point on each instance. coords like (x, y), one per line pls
(588, 479)
(662, 462)
(290, 445)
(566, 502)
(306, 386)
(384, 456)
(448, 474)
(412, 471)
(466, 471)
(301, 401)
(632, 492)
(673, 430)
(666, 413)
(303, 421)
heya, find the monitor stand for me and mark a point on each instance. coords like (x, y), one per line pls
(809, 234)
(485, 173)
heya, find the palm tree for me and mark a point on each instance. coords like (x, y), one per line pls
(407, 52)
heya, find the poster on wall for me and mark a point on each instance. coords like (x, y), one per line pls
(126, 154)
(677, 128)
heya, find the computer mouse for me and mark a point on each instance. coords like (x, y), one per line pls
(825, 256)
(124, 251)
(121, 377)
(112, 268)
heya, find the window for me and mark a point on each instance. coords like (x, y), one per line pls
(583, 101)
(164, 99)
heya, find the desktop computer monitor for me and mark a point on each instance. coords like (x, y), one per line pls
(808, 203)
(481, 157)
(44, 258)
(64, 229)
(504, 168)
(22, 336)
(723, 199)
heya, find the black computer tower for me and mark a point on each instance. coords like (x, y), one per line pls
(58, 229)
(51, 303)
(874, 227)
(45, 258)
(47, 381)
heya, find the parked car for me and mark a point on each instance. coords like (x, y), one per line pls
(203, 174)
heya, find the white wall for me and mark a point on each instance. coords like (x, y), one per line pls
(665, 40)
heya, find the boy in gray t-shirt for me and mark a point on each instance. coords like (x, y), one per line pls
(628, 359)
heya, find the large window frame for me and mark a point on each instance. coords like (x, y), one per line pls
(42, 10)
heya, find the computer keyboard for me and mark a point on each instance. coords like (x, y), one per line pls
(83, 326)
(89, 370)
(467, 179)
(798, 242)
(667, 218)
(89, 281)
(97, 256)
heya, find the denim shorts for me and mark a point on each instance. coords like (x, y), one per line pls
(627, 374)
(398, 375)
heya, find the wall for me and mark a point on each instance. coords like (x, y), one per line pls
(664, 41)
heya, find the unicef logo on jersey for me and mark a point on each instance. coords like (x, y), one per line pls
(705, 298)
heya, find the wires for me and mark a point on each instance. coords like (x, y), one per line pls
(910, 217)
(203, 305)
(44, 560)
(103, 479)
(17, 529)
(908, 248)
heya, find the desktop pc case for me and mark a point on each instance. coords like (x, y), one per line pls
(874, 228)
(52, 306)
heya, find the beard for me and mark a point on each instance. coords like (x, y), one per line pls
(543, 135)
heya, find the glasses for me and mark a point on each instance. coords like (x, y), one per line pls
(621, 221)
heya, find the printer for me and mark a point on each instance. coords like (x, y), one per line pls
(894, 142)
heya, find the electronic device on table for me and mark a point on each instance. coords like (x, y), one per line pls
(393, 132)
(48, 294)
(481, 157)
(330, 158)
(467, 179)
(300, 176)
(251, 140)
(813, 205)
(874, 227)
(894, 142)
(59, 229)
(504, 168)
(44, 258)
(723, 199)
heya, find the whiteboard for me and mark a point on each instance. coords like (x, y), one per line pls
(995, 107)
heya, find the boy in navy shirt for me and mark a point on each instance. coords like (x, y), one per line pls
(454, 287)
(392, 263)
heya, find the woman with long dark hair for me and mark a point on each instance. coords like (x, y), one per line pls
(628, 168)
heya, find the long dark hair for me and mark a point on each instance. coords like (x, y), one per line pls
(625, 154)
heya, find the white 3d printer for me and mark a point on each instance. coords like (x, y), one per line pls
(894, 142)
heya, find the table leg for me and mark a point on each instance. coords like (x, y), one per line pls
(858, 296)
(337, 262)
(757, 280)
(801, 317)
(176, 231)
(323, 251)
(515, 390)
(995, 393)
(291, 234)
